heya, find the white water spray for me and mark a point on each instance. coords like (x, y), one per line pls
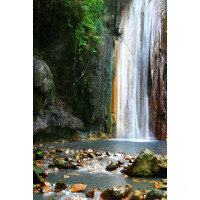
(141, 28)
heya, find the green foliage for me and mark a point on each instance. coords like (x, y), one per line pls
(84, 22)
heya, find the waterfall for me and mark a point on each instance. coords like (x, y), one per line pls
(140, 29)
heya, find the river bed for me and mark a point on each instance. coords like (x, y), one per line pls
(94, 174)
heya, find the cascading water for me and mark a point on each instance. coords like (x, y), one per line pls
(141, 32)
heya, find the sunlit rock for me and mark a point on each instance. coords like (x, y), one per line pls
(78, 188)
(148, 164)
(116, 192)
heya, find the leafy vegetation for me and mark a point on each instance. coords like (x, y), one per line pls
(88, 21)
(81, 21)
(67, 36)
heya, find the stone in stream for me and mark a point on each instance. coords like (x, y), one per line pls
(78, 156)
(39, 155)
(59, 163)
(116, 192)
(120, 163)
(154, 195)
(148, 164)
(108, 153)
(161, 184)
(128, 157)
(78, 188)
(89, 151)
(91, 155)
(112, 166)
(68, 159)
(45, 183)
(91, 193)
(60, 185)
(71, 165)
(60, 150)
(137, 195)
(98, 153)
(45, 189)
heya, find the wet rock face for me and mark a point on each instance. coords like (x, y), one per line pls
(42, 76)
(116, 192)
(148, 164)
(49, 113)
(157, 90)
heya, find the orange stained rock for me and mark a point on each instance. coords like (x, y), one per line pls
(45, 189)
(114, 86)
(78, 188)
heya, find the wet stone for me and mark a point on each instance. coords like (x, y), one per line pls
(116, 192)
(60, 185)
(112, 166)
(78, 188)
(154, 195)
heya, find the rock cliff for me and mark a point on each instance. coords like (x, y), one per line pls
(49, 113)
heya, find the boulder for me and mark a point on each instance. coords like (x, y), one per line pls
(98, 153)
(91, 155)
(120, 163)
(45, 189)
(71, 165)
(59, 164)
(161, 184)
(137, 195)
(108, 153)
(78, 188)
(91, 193)
(60, 185)
(39, 155)
(154, 195)
(45, 183)
(148, 164)
(112, 166)
(116, 192)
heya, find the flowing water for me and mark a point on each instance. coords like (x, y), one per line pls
(141, 28)
(95, 175)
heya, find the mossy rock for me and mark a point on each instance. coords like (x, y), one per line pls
(112, 166)
(91, 155)
(136, 195)
(39, 155)
(60, 185)
(154, 195)
(78, 156)
(71, 165)
(60, 164)
(148, 164)
(116, 192)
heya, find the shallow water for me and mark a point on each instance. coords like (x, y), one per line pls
(95, 175)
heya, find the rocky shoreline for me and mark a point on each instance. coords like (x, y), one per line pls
(48, 160)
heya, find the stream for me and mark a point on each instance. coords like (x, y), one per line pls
(93, 173)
